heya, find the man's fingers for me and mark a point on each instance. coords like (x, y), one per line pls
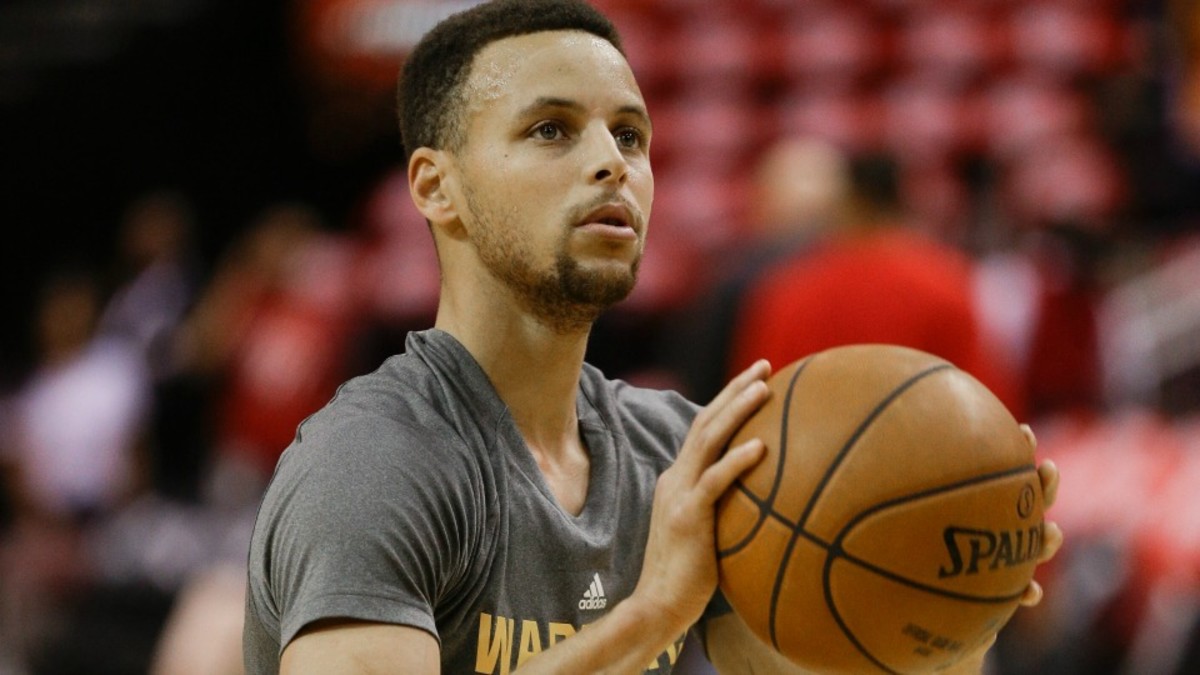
(1047, 470)
(718, 478)
(1027, 431)
(717, 423)
(759, 370)
(1048, 473)
(1052, 537)
(1052, 540)
(1032, 594)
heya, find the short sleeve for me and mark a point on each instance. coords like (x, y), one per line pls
(369, 520)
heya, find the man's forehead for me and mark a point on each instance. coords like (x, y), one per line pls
(506, 65)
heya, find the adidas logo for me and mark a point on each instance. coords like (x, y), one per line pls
(593, 597)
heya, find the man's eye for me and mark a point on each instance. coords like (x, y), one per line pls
(548, 131)
(629, 138)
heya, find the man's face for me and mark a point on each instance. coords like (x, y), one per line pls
(556, 172)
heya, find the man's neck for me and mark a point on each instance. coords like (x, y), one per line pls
(534, 369)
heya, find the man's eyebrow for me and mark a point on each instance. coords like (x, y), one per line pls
(548, 102)
(637, 111)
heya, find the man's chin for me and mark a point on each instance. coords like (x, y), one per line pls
(601, 285)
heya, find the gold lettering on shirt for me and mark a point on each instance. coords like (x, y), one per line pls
(531, 640)
(494, 648)
(499, 642)
(674, 648)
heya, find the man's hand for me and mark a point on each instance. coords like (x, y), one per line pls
(1053, 538)
(679, 573)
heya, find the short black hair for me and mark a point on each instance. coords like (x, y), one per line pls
(875, 182)
(430, 98)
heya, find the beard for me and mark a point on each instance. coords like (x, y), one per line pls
(567, 297)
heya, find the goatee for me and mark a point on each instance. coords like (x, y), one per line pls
(572, 299)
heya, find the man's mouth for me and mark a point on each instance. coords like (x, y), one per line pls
(614, 216)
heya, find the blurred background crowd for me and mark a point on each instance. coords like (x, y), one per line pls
(207, 228)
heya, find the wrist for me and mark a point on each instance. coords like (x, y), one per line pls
(654, 621)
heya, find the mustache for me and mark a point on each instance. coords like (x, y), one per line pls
(637, 217)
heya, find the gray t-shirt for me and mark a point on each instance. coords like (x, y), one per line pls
(412, 499)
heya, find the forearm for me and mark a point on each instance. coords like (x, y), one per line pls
(627, 640)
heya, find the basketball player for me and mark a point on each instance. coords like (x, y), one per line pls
(479, 500)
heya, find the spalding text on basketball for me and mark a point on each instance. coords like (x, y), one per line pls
(972, 550)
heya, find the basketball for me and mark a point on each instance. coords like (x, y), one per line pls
(894, 521)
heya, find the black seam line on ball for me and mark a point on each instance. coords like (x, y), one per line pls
(783, 520)
(836, 552)
(932, 492)
(820, 487)
(779, 574)
(766, 506)
(837, 617)
(862, 428)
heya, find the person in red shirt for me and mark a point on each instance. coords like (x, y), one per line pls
(869, 278)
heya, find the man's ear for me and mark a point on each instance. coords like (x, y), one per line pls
(429, 183)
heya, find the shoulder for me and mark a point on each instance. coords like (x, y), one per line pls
(373, 417)
(375, 477)
(385, 441)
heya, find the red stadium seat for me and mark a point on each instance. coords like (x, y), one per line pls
(704, 206)
(937, 199)
(716, 50)
(1022, 111)
(642, 34)
(847, 118)
(1071, 178)
(706, 129)
(1063, 39)
(924, 119)
(951, 45)
(827, 45)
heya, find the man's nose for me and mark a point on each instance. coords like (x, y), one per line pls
(605, 160)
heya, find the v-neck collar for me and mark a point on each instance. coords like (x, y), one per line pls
(499, 429)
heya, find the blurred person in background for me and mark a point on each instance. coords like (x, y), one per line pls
(156, 276)
(270, 338)
(1038, 307)
(77, 420)
(265, 344)
(71, 458)
(870, 277)
(800, 187)
(1039, 294)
